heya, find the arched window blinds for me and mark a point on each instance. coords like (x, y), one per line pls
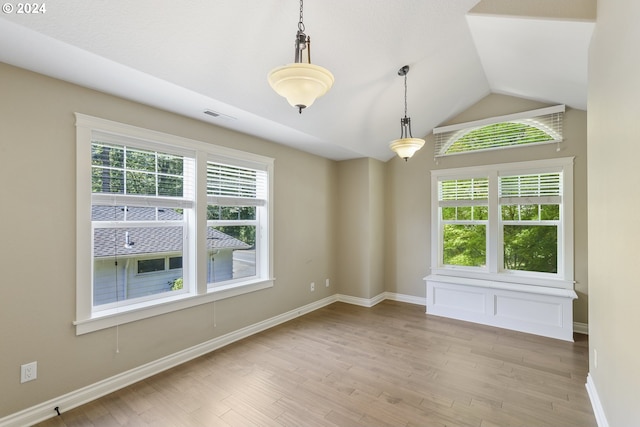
(532, 127)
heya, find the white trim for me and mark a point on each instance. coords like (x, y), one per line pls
(409, 299)
(370, 302)
(117, 316)
(581, 328)
(88, 320)
(539, 310)
(564, 278)
(598, 410)
(66, 402)
(363, 302)
(504, 285)
(96, 124)
(500, 119)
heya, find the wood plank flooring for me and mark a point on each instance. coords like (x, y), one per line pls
(344, 365)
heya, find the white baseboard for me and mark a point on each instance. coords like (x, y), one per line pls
(410, 299)
(362, 302)
(581, 328)
(370, 302)
(46, 410)
(595, 403)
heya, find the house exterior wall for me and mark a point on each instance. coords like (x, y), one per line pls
(112, 283)
(220, 265)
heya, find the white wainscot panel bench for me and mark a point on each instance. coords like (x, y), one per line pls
(540, 310)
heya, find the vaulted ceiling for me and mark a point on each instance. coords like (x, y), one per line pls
(191, 56)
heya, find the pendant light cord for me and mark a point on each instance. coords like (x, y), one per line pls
(405, 94)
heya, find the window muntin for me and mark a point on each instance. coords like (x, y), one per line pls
(118, 169)
(144, 186)
(528, 219)
(175, 262)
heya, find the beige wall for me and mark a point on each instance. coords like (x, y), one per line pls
(37, 232)
(409, 195)
(362, 223)
(360, 236)
(614, 229)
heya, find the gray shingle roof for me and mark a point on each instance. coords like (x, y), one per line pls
(111, 241)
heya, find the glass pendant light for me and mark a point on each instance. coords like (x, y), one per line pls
(301, 82)
(406, 145)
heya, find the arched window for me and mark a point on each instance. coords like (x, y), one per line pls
(533, 127)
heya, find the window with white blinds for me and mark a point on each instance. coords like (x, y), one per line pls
(144, 243)
(530, 188)
(530, 210)
(236, 207)
(533, 127)
(236, 185)
(509, 222)
(463, 218)
(463, 192)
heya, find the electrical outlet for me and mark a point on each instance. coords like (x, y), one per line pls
(28, 372)
(326, 283)
(313, 286)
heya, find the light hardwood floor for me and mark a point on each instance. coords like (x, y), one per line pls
(344, 365)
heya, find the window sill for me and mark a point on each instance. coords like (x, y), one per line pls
(508, 286)
(123, 315)
(507, 279)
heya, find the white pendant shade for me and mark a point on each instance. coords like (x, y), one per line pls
(300, 83)
(406, 147)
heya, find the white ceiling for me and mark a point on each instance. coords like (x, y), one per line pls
(189, 56)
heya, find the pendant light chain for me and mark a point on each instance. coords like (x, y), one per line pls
(300, 23)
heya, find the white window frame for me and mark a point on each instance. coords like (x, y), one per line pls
(195, 292)
(494, 271)
(474, 222)
(261, 204)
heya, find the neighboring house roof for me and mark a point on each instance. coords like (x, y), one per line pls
(111, 241)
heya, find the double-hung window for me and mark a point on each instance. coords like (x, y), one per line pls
(464, 217)
(236, 215)
(165, 223)
(530, 222)
(141, 203)
(510, 222)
